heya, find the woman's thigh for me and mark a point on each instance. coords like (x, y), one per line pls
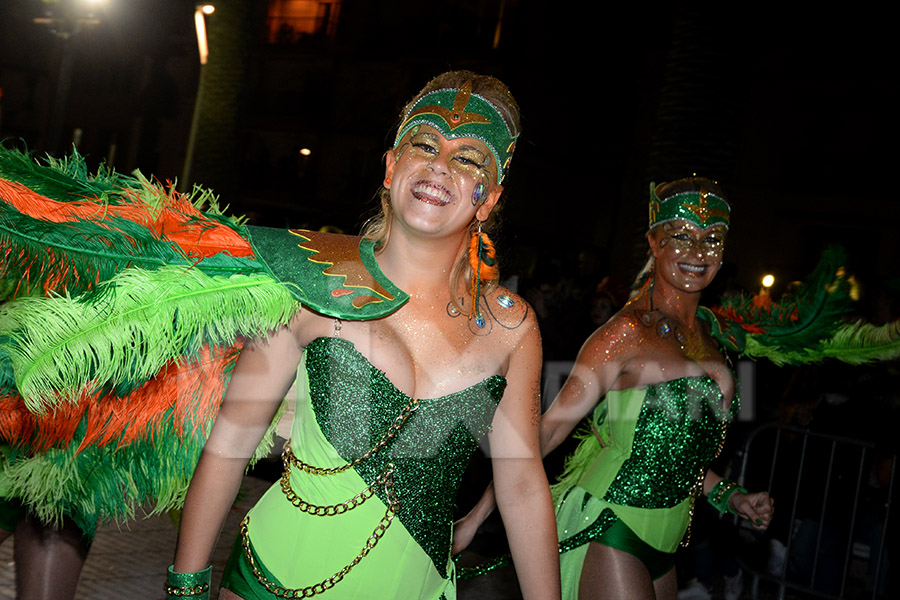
(612, 574)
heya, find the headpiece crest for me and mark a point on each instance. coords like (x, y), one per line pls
(702, 206)
(458, 113)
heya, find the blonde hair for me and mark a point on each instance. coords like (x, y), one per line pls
(493, 90)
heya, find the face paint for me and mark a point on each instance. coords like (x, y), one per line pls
(686, 238)
(468, 160)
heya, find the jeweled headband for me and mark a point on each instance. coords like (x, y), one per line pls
(701, 207)
(458, 113)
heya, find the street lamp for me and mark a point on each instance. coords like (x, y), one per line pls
(200, 25)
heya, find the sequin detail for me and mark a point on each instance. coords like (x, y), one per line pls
(355, 404)
(505, 301)
(679, 428)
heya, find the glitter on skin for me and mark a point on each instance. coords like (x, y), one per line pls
(469, 161)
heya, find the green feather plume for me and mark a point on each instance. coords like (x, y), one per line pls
(72, 256)
(64, 180)
(860, 343)
(107, 483)
(78, 253)
(584, 455)
(793, 329)
(138, 321)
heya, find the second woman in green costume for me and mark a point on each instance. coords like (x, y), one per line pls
(661, 395)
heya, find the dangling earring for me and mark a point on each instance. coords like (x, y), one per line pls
(484, 268)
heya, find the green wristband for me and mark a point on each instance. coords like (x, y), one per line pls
(188, 585)
(721, 493)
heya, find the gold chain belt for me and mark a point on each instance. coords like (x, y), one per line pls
(385, 479)
(328, 583)
(401, 418)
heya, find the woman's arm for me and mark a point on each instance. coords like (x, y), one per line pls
(598, 365)
(262, 376)
(523, 494)
(596, 368)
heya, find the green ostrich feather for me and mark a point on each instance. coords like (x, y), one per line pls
(136, 322)
(75, 255)
(860, 343)
(577, 463)
(78, 253)
(68, 179)
(778, 355)
(795, 327)
(64, 180)
(109, 483)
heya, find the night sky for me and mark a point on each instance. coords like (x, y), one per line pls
(794, 112)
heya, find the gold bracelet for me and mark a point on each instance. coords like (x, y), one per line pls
(187, 590)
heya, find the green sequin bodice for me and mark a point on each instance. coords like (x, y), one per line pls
(676, 436)
(355, 405)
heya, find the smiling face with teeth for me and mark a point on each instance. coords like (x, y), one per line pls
(438, 184)
(687, 256)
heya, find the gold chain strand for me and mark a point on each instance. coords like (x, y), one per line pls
(186, 591)
(330, 582)
(401, 418)
(385, 479)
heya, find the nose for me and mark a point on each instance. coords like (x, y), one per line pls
(697, 248)
(440, 165)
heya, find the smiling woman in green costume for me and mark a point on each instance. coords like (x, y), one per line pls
(389, 407)
(660, 396)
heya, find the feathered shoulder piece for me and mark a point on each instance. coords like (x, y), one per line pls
(117, 275)
(123, 306)
(806, 325)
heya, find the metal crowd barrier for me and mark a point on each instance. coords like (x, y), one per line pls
(837, 493)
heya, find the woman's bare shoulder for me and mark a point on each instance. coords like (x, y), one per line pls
(509, 312)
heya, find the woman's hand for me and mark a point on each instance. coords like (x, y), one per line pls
(464, 531)
(757, 508)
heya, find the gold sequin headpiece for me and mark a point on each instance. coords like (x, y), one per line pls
(458, 113)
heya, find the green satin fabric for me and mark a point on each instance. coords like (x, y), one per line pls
(621, 537)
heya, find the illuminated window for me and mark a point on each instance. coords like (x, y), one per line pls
(291, 20)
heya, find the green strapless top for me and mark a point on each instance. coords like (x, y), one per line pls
(659, 441)
(355, 405)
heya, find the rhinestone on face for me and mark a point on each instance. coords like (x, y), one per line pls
(505, 301)
(479, 321)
